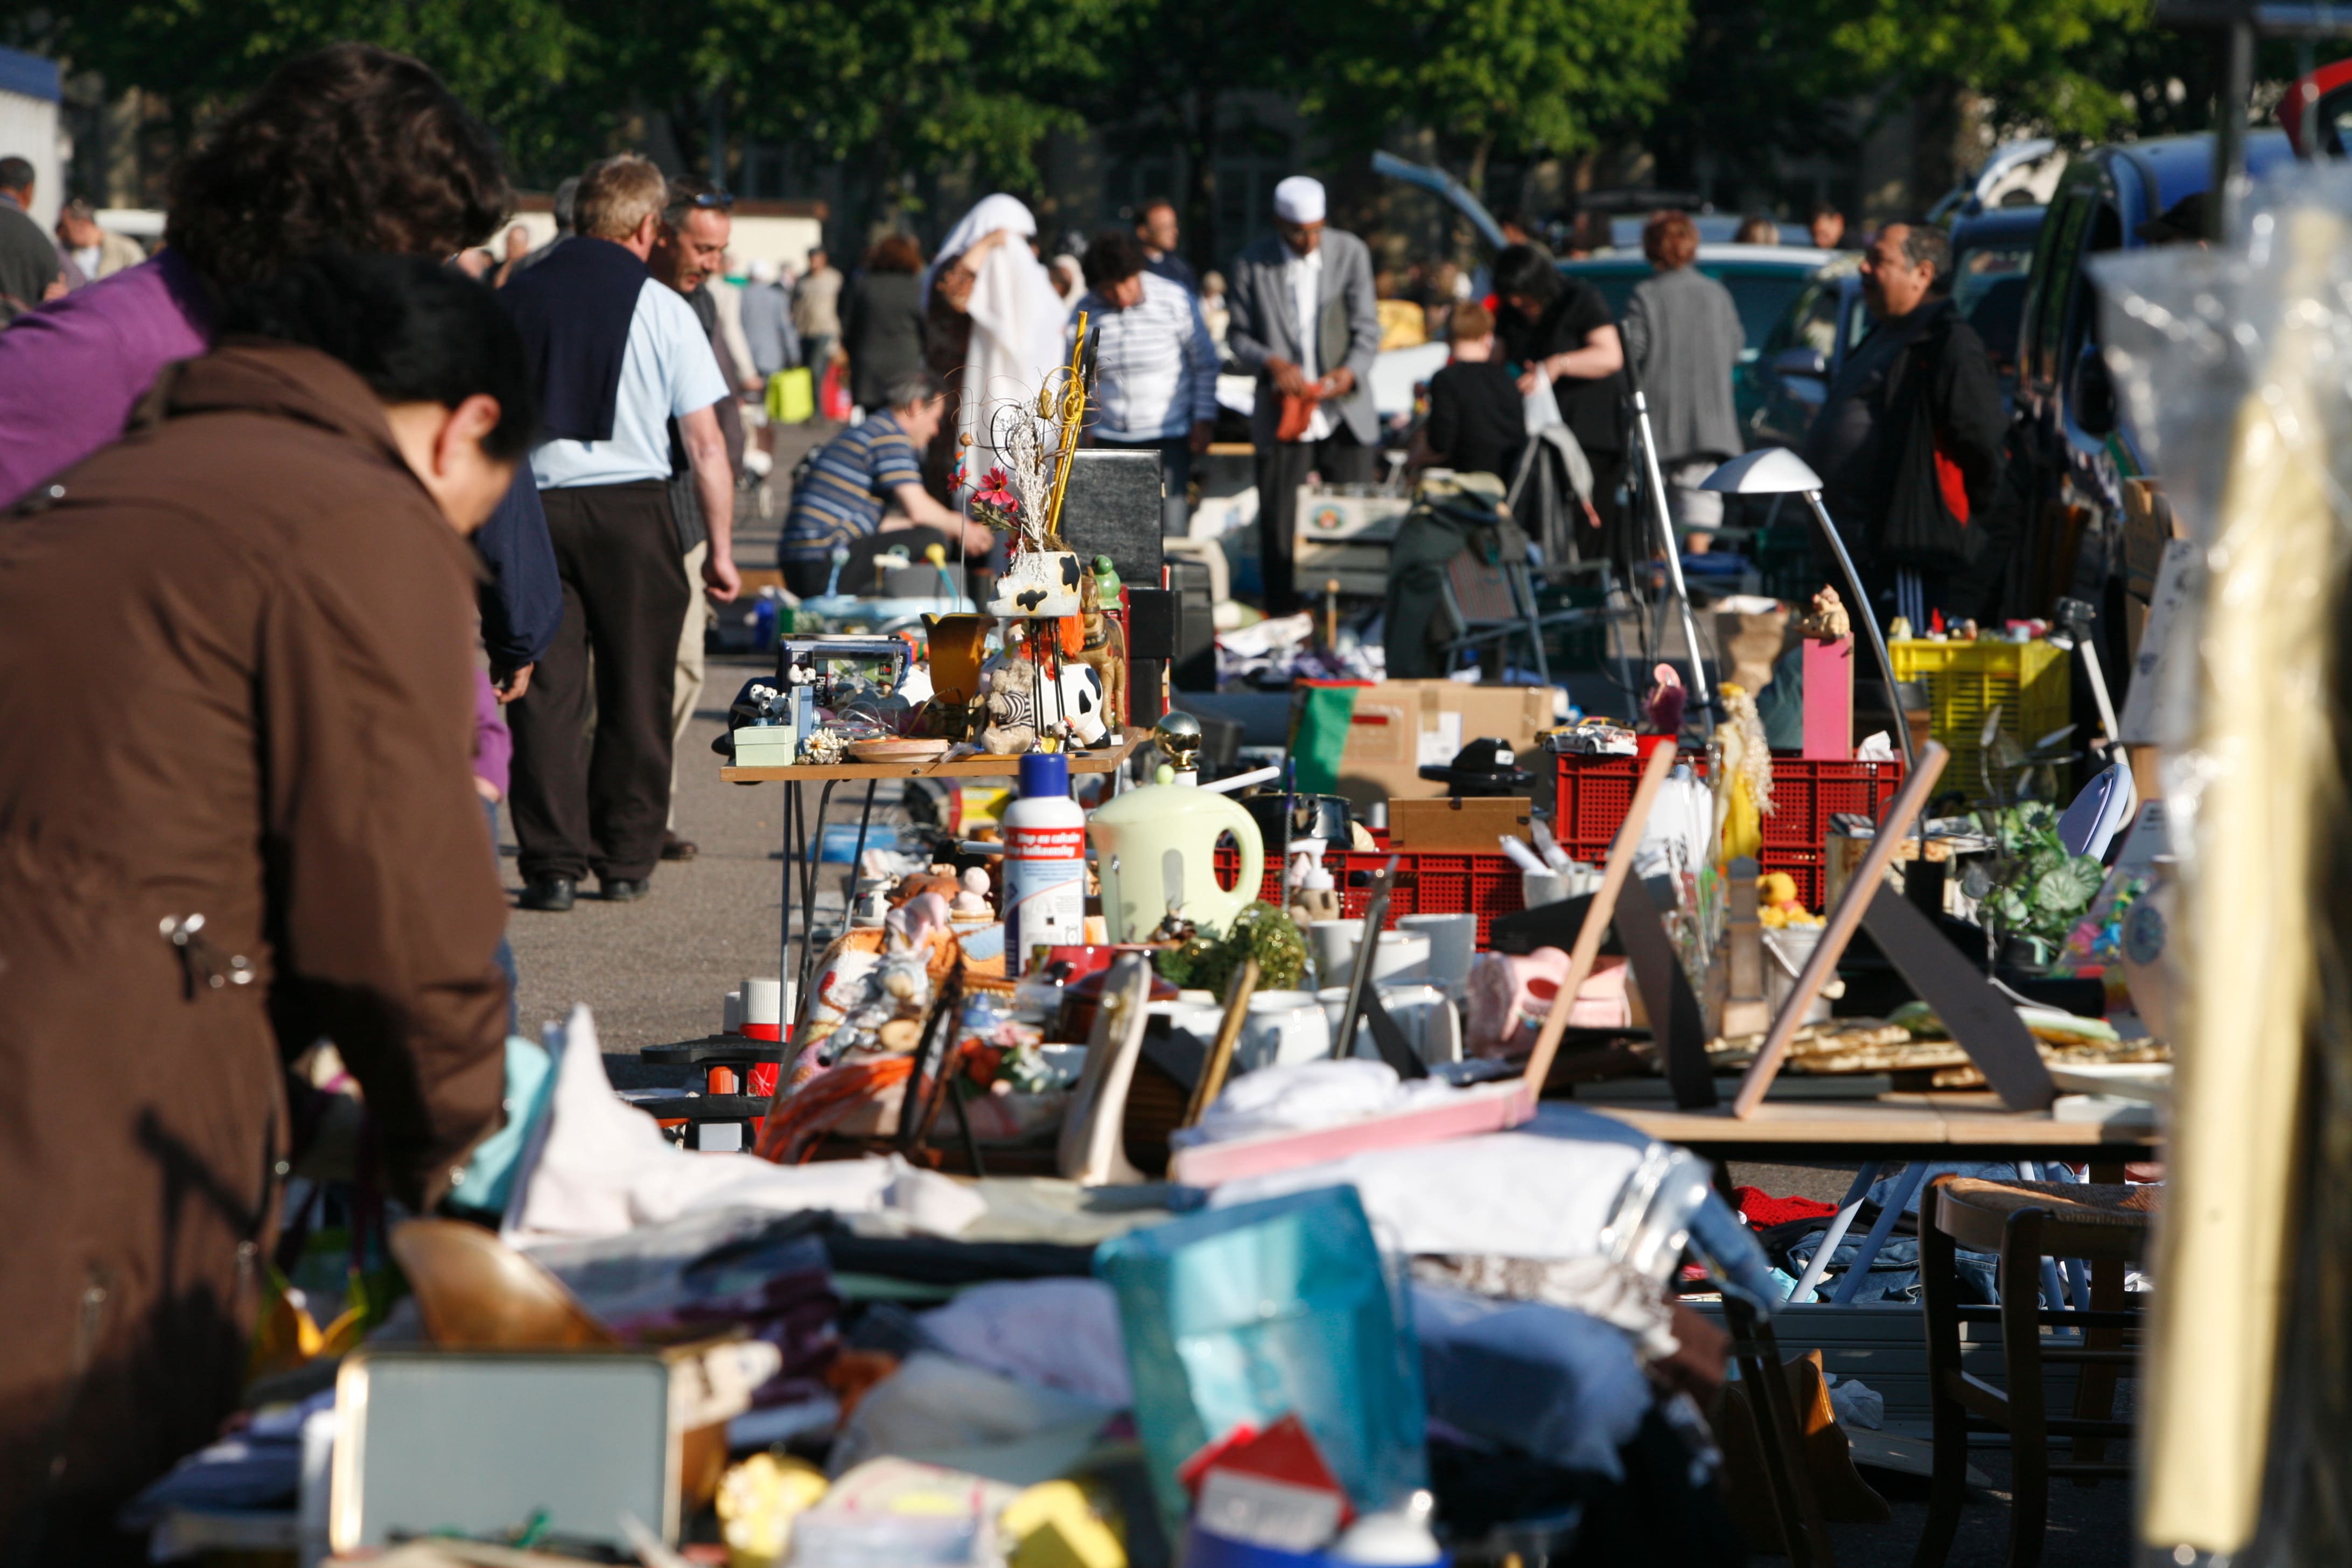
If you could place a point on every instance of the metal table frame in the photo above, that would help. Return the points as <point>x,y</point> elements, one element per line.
<point>1102,759</point>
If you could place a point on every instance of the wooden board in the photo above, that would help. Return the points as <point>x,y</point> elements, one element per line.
<point>1892,1126</point>
<point>1984,1021</point>
<point>1845,915</point>
<point>1100,760</point>
<point>1671,1006</point>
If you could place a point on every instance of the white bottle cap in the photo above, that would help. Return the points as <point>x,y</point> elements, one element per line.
<point>764,1002</point>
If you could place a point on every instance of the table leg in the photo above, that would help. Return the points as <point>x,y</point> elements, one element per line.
<point>1847,1210</point>
<point>1884,1227</point>
<point>857,858</point>
<point>785,900</point>
<point>810,860</point>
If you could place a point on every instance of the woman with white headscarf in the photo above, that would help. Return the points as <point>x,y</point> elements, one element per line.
<point>993,323</point>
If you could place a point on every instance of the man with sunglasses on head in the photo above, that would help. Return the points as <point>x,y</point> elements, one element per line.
<point>619,355</point>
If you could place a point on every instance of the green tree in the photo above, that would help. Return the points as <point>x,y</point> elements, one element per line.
<point>1491,76</point>
<point>519,63</point>
<point>1170,72</point>
<point>899,87</point>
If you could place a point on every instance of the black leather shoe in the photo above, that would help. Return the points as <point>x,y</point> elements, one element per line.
<point>552,894</point>
<point>623,891</point>
<point>675,848</point>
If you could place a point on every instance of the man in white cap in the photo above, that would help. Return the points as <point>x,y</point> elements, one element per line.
<point>1304,318</point>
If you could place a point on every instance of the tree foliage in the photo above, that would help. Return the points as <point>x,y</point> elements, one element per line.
<point>901,85</point>
<point>1491,76</point>
<point>2029,56</point>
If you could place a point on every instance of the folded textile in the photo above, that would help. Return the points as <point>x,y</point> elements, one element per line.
<point>939,1410</point>
<point>1763,1211</point>
<point>1308,1095</point>
<point>1050,1333</point>
<point>1506,1195</point>
<point>1602,1287</point>
<point>1537,1379</point>
<point>602,1167</point>
<point>705,1272</point>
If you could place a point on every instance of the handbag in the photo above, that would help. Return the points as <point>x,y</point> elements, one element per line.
<point>791,396</point>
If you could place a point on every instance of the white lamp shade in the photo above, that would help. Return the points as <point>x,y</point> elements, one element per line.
<point>1767,472</point>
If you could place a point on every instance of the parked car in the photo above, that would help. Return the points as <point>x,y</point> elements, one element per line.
<point>1781,388</point>
<point>2069,451</point>
<point>2320,103</point>
<point>1992,260</point>
<point>1762,279</point>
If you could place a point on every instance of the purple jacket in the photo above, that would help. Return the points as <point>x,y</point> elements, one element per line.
<point>493,742</point>
<point>71,371</point>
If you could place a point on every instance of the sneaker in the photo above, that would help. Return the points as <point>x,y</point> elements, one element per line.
<point>624,889</point>
<point>675,848</point>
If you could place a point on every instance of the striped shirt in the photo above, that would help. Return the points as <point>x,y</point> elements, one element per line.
<point>1157,365</point>
<point>848,487</point>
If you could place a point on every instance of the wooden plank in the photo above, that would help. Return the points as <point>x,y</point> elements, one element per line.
<point>1928,1124</point>
<point>1847,915</point>
<point>1666,997</point>
<point>1101,759</point>
<point>1984,1021</point>
<point>1598,916</point>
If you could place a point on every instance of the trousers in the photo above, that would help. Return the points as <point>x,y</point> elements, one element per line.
<point>1282,468</point>
<point>592,794</point>
<point>691,636</point>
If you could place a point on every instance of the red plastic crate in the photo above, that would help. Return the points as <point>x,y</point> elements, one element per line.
<point>1805,795</point>
<point>1593,793</point>
<point>1426,884</point>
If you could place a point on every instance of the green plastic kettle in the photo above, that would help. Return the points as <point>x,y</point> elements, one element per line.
<point>1156,849</point>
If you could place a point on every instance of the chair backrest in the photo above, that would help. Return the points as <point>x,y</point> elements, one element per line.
<point>2073,1221</point>
<point>1483,591</point>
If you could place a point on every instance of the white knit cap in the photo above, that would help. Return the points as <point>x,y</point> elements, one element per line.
<point>1299,199</point>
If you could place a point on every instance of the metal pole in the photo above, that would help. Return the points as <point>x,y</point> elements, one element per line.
<point>1869,619</point>
<point>1655,481</point>
<point>2230,130</point>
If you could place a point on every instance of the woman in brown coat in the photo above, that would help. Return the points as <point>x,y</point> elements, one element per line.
<point>236,816</point>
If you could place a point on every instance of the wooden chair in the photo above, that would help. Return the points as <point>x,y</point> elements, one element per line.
<point>2023,1223</point>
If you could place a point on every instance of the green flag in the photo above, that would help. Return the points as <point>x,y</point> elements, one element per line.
<point>1319,735</point>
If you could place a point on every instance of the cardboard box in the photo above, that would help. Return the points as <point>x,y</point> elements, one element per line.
<point>1459,826</point>
<point>1399,725</point>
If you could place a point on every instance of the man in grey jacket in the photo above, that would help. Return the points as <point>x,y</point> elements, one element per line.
<point>1304,319</point>
<point>1682,336</point>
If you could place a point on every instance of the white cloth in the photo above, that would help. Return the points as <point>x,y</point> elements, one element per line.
<point>938,1410</point>
<point>1155,363</point>
<point>1305,276</point>
<point>668,372</point>
<point>1506,1195</point>
<point>1016,320</point>
<point>1299,199</point>
<point>1308,1095</point>
<point>598,1167</point>
<point>1054,1333</point>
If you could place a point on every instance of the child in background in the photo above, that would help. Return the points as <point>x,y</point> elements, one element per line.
<point>493,760</point>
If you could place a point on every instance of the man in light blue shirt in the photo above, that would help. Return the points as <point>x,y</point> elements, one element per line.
<point>619,355</point>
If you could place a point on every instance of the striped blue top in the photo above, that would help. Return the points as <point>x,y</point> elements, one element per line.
<point>848,487</point>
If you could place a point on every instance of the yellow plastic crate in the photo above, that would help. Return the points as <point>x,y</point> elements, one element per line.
<point>2031,683</point>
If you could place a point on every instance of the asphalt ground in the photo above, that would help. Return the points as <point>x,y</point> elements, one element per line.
<point>657,971</point>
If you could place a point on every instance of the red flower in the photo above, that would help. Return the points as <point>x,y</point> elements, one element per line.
<point>995,491</point>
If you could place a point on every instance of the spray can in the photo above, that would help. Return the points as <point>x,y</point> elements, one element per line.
<point>1044,862</point>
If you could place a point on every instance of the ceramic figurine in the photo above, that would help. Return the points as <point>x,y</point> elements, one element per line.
<point>1828,623</point>
<point>1104,652</point>
<point>1042,583</point>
